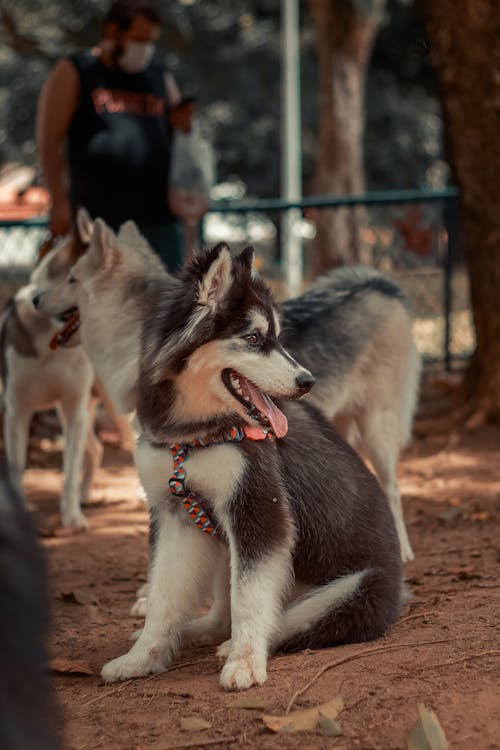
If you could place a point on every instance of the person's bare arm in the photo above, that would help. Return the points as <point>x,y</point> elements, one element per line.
<point>56,106</point>
<point>180,110</point>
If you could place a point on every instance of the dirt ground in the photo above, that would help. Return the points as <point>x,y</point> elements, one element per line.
<point>444,651</point>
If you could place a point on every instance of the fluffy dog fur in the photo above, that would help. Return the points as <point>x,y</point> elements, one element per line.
<point>352,329</point>
<point>35,378</point>
<point>313,553</point>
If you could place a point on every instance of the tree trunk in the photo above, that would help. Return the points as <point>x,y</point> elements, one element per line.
<point>345,31</point>
<point>464,35</point>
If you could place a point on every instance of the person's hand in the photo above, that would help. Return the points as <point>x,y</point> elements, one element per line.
<point>60,217</point>
<point>180,116</point>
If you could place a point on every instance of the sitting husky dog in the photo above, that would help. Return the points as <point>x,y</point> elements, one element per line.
<point>37,376</point>
<point>352,329</point>
<point>262,490</point>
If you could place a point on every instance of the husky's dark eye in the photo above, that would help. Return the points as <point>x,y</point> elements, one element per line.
<point>254,338</point>
<point>72,279</point>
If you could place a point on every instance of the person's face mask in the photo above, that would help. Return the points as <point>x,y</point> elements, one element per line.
<point>136,56</point>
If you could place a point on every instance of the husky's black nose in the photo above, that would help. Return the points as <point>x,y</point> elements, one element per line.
<point>36,300</point>
<point>304,381</point>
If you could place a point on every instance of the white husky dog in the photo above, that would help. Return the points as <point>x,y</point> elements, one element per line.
<point>37,376</point>
<point>352,329</point>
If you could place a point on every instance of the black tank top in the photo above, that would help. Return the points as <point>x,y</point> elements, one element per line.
<point>118,146</point>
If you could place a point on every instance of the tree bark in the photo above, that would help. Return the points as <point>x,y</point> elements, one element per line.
<point>464,35</point>
<point>345,32</point>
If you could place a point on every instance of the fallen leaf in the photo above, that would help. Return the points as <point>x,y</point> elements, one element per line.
<point>480,515</point>
<point>69,666</point>
<point>303,721</point>
<point>454,513</point>
<point>416,738</point>
<point>194,724</point>
<point>330,727</point>
<point>251,702</point>
<point>433,730</point>
<point>80,597</point>
<point>454,502</point>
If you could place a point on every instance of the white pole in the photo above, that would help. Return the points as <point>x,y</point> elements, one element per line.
<point>291,144</point>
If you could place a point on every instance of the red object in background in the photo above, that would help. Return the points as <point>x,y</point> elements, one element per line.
<point>418,239</point>
<point>19,198</point>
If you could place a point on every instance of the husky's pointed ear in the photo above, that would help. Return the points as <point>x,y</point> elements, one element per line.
<point>129,234</point>
<point>246,258</point>
<point>103,246</point>
<point>84,225</point>
<point>216,281</point>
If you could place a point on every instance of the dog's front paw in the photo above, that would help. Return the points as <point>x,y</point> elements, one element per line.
<point>242,673</point>
<point>139,608</point>
<point>133,665</point>
<point>75,520</point>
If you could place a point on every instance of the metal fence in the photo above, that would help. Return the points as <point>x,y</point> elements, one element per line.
<point>435,280</point>
<point>432,275</point>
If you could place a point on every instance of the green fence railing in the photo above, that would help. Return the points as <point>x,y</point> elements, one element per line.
<point>447,198</point>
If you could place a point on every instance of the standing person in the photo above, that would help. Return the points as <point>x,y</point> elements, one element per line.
<point>104,131</point>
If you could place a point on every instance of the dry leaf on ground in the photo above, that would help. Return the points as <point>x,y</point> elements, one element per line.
<point>330,727</point>
<point>454,513</point>
<point>79,597</point>
<point>194,724</point>
<point>302,721</point>
<point>416,738</point>
<point>427,733</point>
<point>69,666</point>
<point>432,728</point>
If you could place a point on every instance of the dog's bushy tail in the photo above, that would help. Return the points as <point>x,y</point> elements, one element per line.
<point>356,607</point>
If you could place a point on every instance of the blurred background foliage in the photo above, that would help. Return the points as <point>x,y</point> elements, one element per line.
<point>227,53</point>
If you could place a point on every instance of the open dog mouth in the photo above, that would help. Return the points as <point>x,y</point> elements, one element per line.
<point>259,405</point>
<point>71,320</point>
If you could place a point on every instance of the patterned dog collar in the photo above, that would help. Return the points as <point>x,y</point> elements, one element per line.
<point>197,508</point>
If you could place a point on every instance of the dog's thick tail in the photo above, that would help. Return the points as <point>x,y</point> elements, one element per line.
<point>357,607</point>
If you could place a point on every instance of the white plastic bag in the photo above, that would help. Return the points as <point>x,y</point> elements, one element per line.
<point>192,174</point>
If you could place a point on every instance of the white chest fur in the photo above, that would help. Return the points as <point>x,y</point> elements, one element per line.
<point>214,472</point>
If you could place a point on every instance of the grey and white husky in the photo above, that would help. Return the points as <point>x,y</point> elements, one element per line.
<point>352,329</point>
<point>299,537</point>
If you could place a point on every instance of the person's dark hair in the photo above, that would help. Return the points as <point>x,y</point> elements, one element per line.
<point>123,12</point>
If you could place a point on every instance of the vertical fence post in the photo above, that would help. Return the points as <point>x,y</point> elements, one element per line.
<point>450,222</point>
<point>291,143</point>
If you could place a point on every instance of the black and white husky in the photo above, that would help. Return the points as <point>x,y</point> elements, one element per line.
<point>301,543</point>
<point>352,329</point>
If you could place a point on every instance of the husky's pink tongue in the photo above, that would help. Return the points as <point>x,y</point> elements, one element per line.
<point>268,408</point>
<point>64,333</point>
